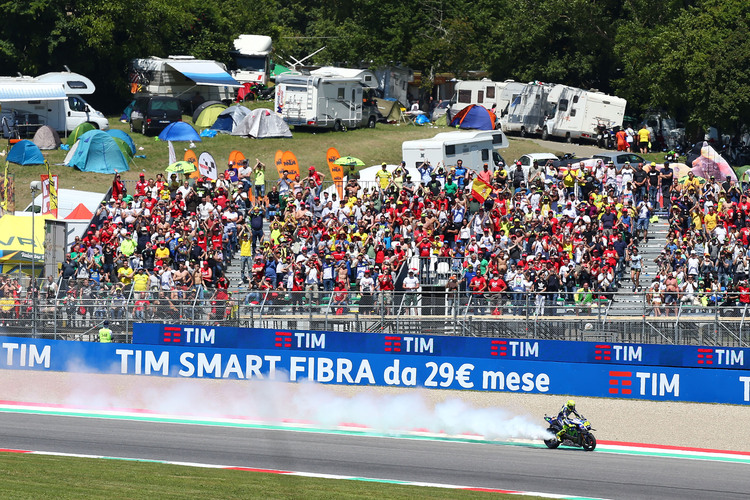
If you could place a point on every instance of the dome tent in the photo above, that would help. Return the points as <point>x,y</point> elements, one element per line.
<point>25,152</point>
<point>208,115</point>
<point>261,124</point>
<point>230,118</point>
<point>47,138</point>
<point>78,132</point>
<point>475,117</point>
<point>97,151</point>
<point>119,134</point>
<point>179,131</point>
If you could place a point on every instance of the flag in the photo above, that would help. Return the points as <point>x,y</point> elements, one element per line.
<point>52,190</point>
<point>337,171</point>
<point>172,154</point>
<point>480,190</point>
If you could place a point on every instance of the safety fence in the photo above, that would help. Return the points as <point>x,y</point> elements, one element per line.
<point>711,319</point>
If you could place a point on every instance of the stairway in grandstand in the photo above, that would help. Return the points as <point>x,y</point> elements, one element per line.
<point>626,302</point>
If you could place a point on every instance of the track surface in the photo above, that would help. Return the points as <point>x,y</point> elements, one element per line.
<point>564,471</point>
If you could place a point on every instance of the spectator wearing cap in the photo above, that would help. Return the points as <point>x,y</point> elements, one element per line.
<point>259,181</point>
<point>383,177</point>
<point>245,175</point>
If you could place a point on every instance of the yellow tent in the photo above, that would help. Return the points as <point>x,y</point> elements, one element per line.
<point>16,240</point>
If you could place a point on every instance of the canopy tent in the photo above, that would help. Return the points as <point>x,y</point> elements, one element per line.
<point>208,115</point>
<point>391,110</point>
<point>78,132</point>
<point>179,131</point>
<point>16,238</point>
<point>474,117</point>
<point>230,118</point>
<point>119,134</point>
<point>47,138</point>
<point>204,73</point>
<point>80,212</point>
<point>97,151</point>
<point>262,124</point>
<point>25,152</point>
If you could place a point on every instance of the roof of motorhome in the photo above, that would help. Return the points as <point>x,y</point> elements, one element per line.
<point>459,137</point>
<point>29,90</point>
<point>253,44</point>
<point>366,77</point>
<point>73,83</point>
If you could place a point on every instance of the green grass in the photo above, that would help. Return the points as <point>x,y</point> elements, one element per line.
<point>39,476</point>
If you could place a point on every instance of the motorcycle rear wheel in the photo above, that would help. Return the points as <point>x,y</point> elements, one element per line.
<point>588,442</point>
<point>552,443</point>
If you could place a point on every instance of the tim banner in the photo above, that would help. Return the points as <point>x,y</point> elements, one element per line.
<point>563,351</point>
<point>494,374</point>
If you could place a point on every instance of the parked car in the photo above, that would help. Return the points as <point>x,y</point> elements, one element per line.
<point>619,158</point>
<point>153,114</point>
<point>541,159</point>
<point>442,108</point>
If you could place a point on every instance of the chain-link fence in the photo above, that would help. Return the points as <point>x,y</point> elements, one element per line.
<point>77,313</point>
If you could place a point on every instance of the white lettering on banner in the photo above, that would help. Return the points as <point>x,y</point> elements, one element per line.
<point>152,364</point>
<point>730,357</point>
<point>209,367</point>
<point>499,381</point>
<point>305,368</point>
<point>628,353</point>
<point>446,372</point>
<point>407,376</point>
<point>28,355</point>
<point>524,349</point>
<point>310,340</point>
<point>746,381</point>
<point>195,335</point>
<point>418,344</point>
<point>660,384</point>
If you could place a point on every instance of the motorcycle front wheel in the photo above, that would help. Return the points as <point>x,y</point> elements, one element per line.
<point>589,442</point>
<point>552,443</point>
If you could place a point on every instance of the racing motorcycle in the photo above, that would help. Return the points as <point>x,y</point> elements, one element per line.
<point>579,435</point>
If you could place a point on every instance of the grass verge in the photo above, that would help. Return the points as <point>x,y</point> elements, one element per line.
<point>39,476</point>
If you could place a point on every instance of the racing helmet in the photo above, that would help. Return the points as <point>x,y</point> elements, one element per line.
<point>571,405</point>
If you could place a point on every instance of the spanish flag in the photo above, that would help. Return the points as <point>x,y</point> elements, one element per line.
<point>480,190</point>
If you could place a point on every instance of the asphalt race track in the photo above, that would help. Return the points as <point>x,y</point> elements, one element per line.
<point>564,471</point>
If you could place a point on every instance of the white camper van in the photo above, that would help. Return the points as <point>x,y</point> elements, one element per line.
<point>483,92</point>
<point>573,113</point>
<point>327,98</point>
<point>52,99</point>
<point>475,148</point>
<point>527,111</point>
<point>252,58</point>
<point>184,77</point>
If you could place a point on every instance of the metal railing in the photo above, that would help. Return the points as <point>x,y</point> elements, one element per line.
<point>708,319</point>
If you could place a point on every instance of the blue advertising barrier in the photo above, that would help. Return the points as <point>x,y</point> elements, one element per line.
<point>716,385</point>
<point>472,347</point>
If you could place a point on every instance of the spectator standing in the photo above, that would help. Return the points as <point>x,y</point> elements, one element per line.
<point>411,288</point>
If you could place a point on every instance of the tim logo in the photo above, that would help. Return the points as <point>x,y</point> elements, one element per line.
<point>515,348</point>
<point>607,352</point>
<point>724,357</point>
<point>173,334</point>
<point>499,348</point>
<point>283,339</point>
<point>392,343</point>
<point>420,345</point>
<point>649,383</point>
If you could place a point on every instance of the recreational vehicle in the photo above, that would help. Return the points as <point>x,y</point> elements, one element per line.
<point>327,98</point>
<point>573,113</point>
<point>475,148</point>
<point>486,93</point>
<point>527,112</point>
<point>252,58</point>
<point>191,80</point>
<point>52,99</point>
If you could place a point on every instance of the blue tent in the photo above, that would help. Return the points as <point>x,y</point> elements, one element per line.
<point>26,153</point>
<point>124,136</point>
<point>179,131</point>
<point>97,151</point>
<point>475,117</point>
<point>230,118</point>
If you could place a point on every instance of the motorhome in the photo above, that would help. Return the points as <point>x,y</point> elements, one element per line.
<point>573,113</point>
<point>526,114</point>
<point>52,99</point>
<point>191,80</point>
<point>486,93</point>
<point>328,97</point>
<point>252,58</point>
<point>475,148</point>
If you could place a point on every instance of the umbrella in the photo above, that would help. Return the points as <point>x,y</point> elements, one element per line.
<point>350,161</point>
<point>181,167</point>
<point>742,172</point>
<point>679,169</point>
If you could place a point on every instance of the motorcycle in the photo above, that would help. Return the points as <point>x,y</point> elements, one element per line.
<point>578,435</point>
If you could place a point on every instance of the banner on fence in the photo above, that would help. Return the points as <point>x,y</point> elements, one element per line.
<point>474,347</point>
<point>394,369</point>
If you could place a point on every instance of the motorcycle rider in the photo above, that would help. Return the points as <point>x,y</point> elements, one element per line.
<point>562,417</point>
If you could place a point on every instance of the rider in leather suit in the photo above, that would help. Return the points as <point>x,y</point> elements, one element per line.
<point>568,408</point>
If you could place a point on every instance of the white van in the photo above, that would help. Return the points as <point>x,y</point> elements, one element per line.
<point>475,148</point>
<point>52,99</point>
<point>527,112</point>
<point>573,113</point>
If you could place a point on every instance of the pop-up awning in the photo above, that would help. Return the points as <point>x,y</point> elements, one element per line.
<point>205,73</point>
<point>22,91</point>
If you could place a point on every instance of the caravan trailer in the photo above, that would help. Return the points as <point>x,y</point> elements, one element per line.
<point>486,93</point>
<point>475,148</point>
<point>527,112</point>
<point>52,99</point>
<point>573,113</point>
<point>183,77</point>
<point>327,98</point>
